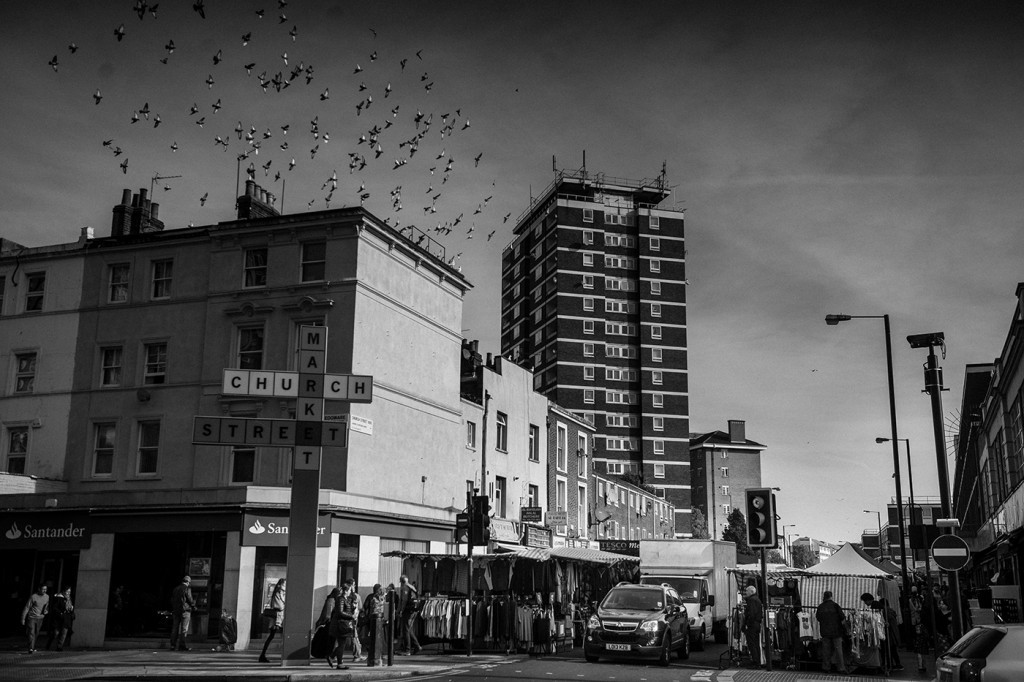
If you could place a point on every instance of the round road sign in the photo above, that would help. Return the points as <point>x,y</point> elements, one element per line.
<point>950,552</point>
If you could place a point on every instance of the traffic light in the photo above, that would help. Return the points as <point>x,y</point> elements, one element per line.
<point>761,531</point>
<point>462,527</point>
<point>480,525</point>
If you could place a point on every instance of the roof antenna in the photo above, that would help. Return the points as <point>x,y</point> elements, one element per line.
<point>554,168</point>
<point>661,179</point>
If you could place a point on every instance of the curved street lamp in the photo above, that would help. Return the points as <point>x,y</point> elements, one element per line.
<point>833,320</point>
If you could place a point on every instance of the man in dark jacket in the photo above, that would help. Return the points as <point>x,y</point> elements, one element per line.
<point>752,618</point>
<point>830,622</point>
<point>182,604</point>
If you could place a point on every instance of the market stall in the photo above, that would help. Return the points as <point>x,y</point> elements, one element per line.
<point>528,600</point>
<point>794,594</point>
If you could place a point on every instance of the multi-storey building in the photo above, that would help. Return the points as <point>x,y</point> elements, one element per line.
<point>594,300</point>
<point>110,346</point>
<point>624,513</point>
<point>988,488</point>
<point>723,466</point>
<point>570,457</point>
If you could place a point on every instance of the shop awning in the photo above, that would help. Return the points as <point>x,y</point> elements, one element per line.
<point>517,552</point>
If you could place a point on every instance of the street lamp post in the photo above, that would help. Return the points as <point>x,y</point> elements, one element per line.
<point>913,505</point>
<point>834,320</point>
<point>879,519</point>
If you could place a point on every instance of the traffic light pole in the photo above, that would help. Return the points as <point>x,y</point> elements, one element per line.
<point>469,557</point>
<point>765,639</point>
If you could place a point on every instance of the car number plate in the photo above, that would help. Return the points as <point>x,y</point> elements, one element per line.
<point>617,647</point>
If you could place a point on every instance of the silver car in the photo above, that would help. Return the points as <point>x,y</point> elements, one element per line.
<point>988,653</point>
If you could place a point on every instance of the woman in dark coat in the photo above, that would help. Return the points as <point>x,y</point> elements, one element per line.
<point>277,605</point>
<point>325,619</point>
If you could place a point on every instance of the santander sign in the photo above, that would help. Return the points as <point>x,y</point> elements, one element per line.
<point>28,531</point>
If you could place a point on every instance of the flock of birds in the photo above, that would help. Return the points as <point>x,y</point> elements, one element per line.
<point>385,127</point>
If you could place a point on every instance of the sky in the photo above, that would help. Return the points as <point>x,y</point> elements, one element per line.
<point>831,157</point>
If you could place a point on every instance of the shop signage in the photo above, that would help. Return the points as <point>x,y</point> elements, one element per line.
<point>558,518</point>
<point>537,537</point>
<point>503,530</point>
<point>45,531</point>
<point>627,547</point>
<point>531,514</point>
<point>271,530</point>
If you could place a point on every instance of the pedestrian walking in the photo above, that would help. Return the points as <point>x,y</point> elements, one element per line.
<point>182,603</point>
<point>830,619</point>
<point>274,615</point>
<point>343,620</point>
<point>407,595</point>
<point>920,627</point>
<point>752,617</point>
<point>32,616</point>
<point>62,616</point>
<point>377,613</point>
<point>330,603</point>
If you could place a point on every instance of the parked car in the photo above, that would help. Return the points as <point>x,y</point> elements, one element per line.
<point>638,621</point>
<point>988,653</point>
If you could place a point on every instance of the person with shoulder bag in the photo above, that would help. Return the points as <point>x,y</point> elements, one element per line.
<point>275,615</point>
<point>324,621</point>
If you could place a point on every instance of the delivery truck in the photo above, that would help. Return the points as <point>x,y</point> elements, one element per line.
<point>697,571</point>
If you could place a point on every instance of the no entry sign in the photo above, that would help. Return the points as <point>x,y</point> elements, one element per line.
<point>950,552</point>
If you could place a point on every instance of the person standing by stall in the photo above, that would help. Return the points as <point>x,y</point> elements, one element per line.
<point>377,612</point>
<point>752,619</point>
<point>830,619</point>
<point>407,617</point>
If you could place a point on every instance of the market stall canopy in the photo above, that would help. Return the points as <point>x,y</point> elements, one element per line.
<point>850,560</point>
<point>581,554</point>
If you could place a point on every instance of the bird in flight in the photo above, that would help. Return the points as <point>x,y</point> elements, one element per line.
<point>169,47</point>
<point>249,67</point>
<point>124,166</point>
<point>358,69</point>
<point>194,109</point>
<point>218,57</point>
<point>246,38</point>
<point>174,146</point>
<point>476,159</point>
<point>202,199</point>
<point>107,143</point>
<point>119,32</point>
<point>53,63</point>
<point>73,48</point>
<point>199,8</point>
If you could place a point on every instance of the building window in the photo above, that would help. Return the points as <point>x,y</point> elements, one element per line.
<point>561,445</point>
<point>726,509</point>
<point>659,470</point>
<point>588,281</point>
<point>250,348</point>
<point>655,244</point>
<point>655,265</point>
<point>588,395</point>
<point>655,222</point>
<point>655,331</point>
<point>614,468</point>
<point>656,354</point>
<point>35,292</point>
<point>470,434</point>
<point>588,350</point>
<point>255,267</point>
<point>243,465</point>
<point>588,260</point>
<point>660,492</point>
<point>162,273</point>
<point>110,366</point>
<point>314,261</point>
<point>655,310</point>
<point>657,400</point>
<point>532,496</point>
<point>501,435</point>
<point>588,215</point>
<point>656,288</point>
<point>588,326</point>
<point>149,446</point>
<point>156,363</point>
<point>588,303</point>
<point>581,511</point>
<point>24,372</point>
<point>103,449</point>
<point>659,447</point>
<point>119,274</point>
<point>499,496</point>
<point>588,373</point>
<point>724,471</point>
<point>659,423</point>
<point>17,449</point>
<point>581,455</point>
<point>534,447</point>
<point>724,489</point>
<point>656,377</point>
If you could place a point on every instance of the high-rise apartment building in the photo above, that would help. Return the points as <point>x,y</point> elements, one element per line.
<point>594,300</point>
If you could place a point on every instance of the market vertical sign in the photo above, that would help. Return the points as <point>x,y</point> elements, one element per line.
<point>54,531</point>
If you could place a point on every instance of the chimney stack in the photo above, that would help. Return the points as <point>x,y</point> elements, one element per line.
<point>737,431</point>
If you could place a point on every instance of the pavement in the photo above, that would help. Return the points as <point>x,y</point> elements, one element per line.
<point>208,665</point>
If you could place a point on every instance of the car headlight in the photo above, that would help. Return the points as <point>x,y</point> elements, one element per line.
<point>594,623</point>
<point>651,625</point>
